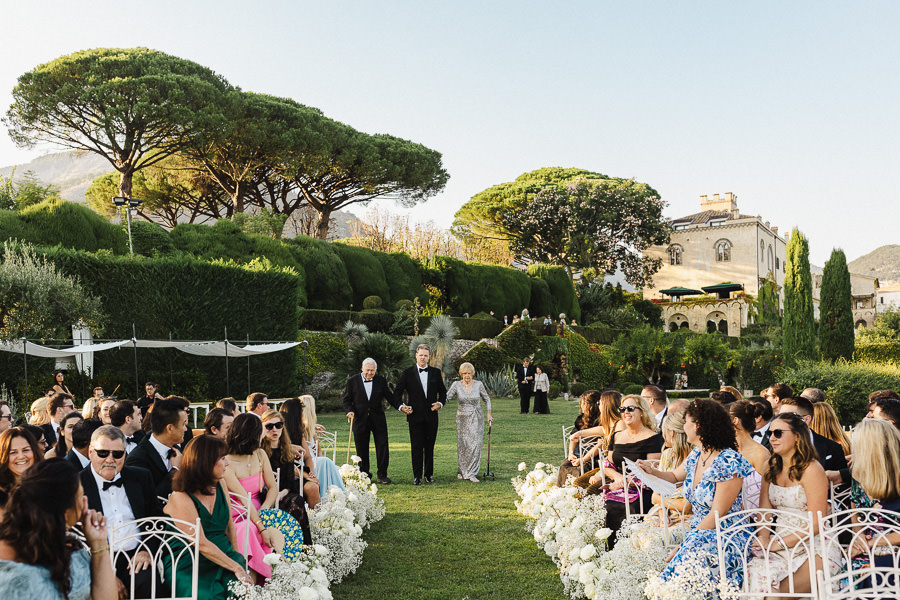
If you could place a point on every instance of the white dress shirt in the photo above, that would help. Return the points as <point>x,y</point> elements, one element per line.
<point>367,385</point>
<point>760,433</point>
<point>163,451</point>
<point>84,460</point>
<point>423,377</point>
<point>660,416</point>
<point>117,510</point>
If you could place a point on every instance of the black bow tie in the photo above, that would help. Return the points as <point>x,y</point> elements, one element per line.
<point>129,440</point>
<point>171,453</point>
<point>108,484</point>
<point>367,381</point>
<point>423,370</point>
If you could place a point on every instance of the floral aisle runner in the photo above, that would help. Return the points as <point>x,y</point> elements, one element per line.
<point>570,529</point>
<point>337,525</point>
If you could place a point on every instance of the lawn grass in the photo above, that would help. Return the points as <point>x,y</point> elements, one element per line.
<point>456,539</point>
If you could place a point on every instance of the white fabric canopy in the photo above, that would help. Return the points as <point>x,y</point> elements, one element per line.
<point>32,349</point>
<point>232,351</point>
<point>196,348</point>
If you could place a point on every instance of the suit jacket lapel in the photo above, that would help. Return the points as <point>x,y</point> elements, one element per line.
<point>90,490</point>
<point>135,499</point>
<point>155,458</point>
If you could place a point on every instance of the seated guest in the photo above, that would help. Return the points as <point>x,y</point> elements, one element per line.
<point>878,394</point>
<point>733,391</point>
<point>126,415</point>
<point>713,476</point>
<point>326,470</point>
<point>91,408</point>
<point>64,441</point>
<point>763,416</point>
<point>885,409</point>
<point>795,484</point>
<point>123,494</point>
<point>38,434</point>
<point>743,416</point>
<point>777,392</point>
<point>249,473</point>
<point>6,417</point>
<point>38,411</point>
<point>610,422</point>
<point>229,404</point>
<point>291,412</point>
<point>831,454</point>
<point>38,557</point>
<point>825,423</point>
<point>18,451</point>
<point>277,445</point>
<point>814,395</point>
<point>58,406</point>
<point>188,431</point>
<point>81,442</point>
<point>723,397</point>
<point>639,440</point>
<point>218,422</point>
<point>106,405</point>
<point>157,452</point>
<point>200,492</point>
<point>674,454</point>
<point>587,423</point>
<point>257,403</point>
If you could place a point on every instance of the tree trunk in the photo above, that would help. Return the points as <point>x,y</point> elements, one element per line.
<point>125,182</point>
<point>322,225</point>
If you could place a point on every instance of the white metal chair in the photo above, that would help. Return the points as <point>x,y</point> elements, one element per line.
<point>631,480</point>
<point>240,515</point>
<point>567,433</point>
<point>171,543</point>
<point>585,445</point>
<point>758,536</point>
<point>78,534</point>
<point>840,496</point>
<point>876,571</point>
<point>328,441</point>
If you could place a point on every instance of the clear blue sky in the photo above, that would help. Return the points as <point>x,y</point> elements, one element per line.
<point>793,106</point>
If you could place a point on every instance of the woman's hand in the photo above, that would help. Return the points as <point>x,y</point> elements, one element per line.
<point>94,524</point>
<point>490,419</point>
<point>595,478</point>
<point>281,496</point>
<point>860,545</point>
<point>647,466</point>
<point>617,483</point>
<point>269,537</point>
<point>242,575</point>
<point>575,460</point>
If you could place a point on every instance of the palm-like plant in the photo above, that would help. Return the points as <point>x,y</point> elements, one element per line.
<point>389,353</point>
<point>439,336</point>
<point>354,332</point>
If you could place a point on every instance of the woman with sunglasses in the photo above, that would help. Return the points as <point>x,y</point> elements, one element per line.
<point>281,452</point>
<point>250,473</point>
<point>18,451</point>
<point>639,440</point>
<point>794,483</point>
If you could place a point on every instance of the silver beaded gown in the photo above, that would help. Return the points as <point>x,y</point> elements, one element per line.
<point>469,425</point>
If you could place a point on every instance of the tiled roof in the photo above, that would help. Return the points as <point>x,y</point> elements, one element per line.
<point>704,216</point>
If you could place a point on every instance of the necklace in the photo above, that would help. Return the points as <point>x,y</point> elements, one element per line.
<point>708,456</point>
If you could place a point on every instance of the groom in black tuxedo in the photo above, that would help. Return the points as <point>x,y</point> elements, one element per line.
<point>363,399</point>
<point>426,394</point>
<point>525,380</point>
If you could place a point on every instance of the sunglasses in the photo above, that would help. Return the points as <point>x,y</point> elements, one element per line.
<point>276,425</point>
<point>777,433</point>
<point>628,409</point>
<point>117,454</point>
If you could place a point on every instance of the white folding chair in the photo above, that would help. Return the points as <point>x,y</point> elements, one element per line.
<point>240,514</point>
<point>631,480</point>
<point>875,574</point>
<point>567,432</point>
<point>169,548</point>
<point>328,440</point>
<point>585,445</point>
<point>78,534</point>
<point>738,533</point>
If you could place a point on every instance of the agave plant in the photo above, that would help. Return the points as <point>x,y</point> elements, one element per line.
<point>500,384</point>
<point>439,336</point>
<point>354,332</point>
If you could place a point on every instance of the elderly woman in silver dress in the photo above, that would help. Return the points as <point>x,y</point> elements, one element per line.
<point>469,421</point>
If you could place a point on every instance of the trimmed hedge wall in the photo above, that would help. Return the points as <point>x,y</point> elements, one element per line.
<point>365,272</point>
<point>57,222</point>
<point>877,351</point>
<point>469,287</point>
<point>191,300</point>
<point>484,357</point>
<point>469,329</point>
<point>333,320</point>
<point>562,292</point>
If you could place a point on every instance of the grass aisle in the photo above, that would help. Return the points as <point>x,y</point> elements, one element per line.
<point>456,539</point>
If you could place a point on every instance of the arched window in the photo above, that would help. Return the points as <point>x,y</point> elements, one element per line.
<point>723,251</point>
<point>675,252</point>
<point>771,260</point>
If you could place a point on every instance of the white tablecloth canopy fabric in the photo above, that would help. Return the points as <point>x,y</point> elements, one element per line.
<point>196,348</point>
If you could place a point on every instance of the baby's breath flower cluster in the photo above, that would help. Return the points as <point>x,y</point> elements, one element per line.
<point>695,578</point>
<point>362,494</point>
<point>303,579</point>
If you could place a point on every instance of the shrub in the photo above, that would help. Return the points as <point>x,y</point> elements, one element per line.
<point>884,351</point>
<point>68,224</point>
<point>518,340</point>
<point>403,275</point>
<point>847,384</point>
<point>541,303</point>
<point>364,271</point>
<point>562,292</point>
<point>324,352</point>
<point>555,390</point>
<point>499,384</point>
<point>550,347</point>
<point>483,357</point>
<point>596,370</point>
<point>597,334</point>
<point>388,352</point>
<point>633,388</point>
<point>150,239</point>
<point>327,282</point>
<point>755,369</point>
<point>333,320</point>
<point>469,329</point>
<point>372,302</point>
<point>483,316</point>
<point>578,388</point>
<point>403,305</point>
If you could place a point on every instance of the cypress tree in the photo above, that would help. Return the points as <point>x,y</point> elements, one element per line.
<point>799,320</point>
<point>836,309</point>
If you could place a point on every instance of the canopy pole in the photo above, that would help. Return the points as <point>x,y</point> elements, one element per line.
<point>137,393</point>
<point>305,345</point>
<point>25,359</point>
<point>227,374</point>
<point>171,376</point>
<point>248,368</point>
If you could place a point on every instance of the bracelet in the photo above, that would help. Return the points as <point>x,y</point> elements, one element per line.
<point>99,550</point>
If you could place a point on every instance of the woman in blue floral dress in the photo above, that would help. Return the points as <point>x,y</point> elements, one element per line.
<point>713,475</point>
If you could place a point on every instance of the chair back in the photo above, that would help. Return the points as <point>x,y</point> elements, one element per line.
<point>328,442</point>
<point>240,514</point>
<point>860,537</point>
<point>585,445</point>
<point>567,431</point>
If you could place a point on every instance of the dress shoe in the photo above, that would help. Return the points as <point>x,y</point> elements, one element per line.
<point>384,480</point>
<point>417,481</point>
<point>429,479</point>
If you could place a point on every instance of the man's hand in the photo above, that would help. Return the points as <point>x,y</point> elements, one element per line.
<point>406,409</point>
<point>176,460</point>
<point>350,416</point>
<point>436,406</point>
<point>142,560</point>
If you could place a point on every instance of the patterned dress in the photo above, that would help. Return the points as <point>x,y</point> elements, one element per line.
<point>20,580</point>
<point>701,543</point>
<point>469,425</point>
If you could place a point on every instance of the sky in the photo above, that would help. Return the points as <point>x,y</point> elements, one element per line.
<point>792,106</point>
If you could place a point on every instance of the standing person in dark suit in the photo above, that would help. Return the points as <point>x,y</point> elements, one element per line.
<point>426,394</point>
<point>525,379</point>
<point>363,399</point>
<point>122,494</point>
<point>60,405</point>
<point>157,452</point>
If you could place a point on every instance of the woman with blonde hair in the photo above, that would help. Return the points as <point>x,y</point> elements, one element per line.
<point>327,472</point>
<point>825,423</point>
<point>91,408</point>
<point>39,414</point>
<point>470,393</point>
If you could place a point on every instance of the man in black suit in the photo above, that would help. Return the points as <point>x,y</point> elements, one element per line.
<point>81,441</point>
<point>122,494</point>
<point>363,398</point>
<point>831,454</point>
<point>156,452</point>
<point>525,379</point>
<point>126,415</point>
<point>151,395</point>
<point>60,405</point>
<point>426,394</point>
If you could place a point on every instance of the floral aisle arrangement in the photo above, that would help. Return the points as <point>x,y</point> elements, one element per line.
<point>695,578</point>
<point>303,579</point>
<point>570,529</point>
<point>362,494</point>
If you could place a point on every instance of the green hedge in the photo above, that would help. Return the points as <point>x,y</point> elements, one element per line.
<point>485,358</point>
<point>469,329</point>
<point>562,292</point>
<point>758,368</point>
<point>597,370</point>
<point>333,320</point>
<point>151,239</point>
<point>471,287</point>
<point>541,303</point>
<point>518,340</point>
<point>597,334</point>
<point>403,275</point>
<point>324,352</point>
<point>877,351</point>
<point>57,222</point>
<point>847,384</point>
<point>365,273</point>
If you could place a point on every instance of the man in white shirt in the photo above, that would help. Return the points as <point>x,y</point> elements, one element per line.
<point>658,400</point>
<point>123,495</point>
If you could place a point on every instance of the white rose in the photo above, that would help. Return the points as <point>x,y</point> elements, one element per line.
<point>522,466</point>
<point>603,533</point>
<point>272,559</point>
<point>588,552</point>
<point>356,460</point>
<point>374,488</point>
<point>351,497</point>
<point>539,466</point>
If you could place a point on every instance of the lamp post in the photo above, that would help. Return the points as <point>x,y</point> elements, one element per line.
<point>132,203</point>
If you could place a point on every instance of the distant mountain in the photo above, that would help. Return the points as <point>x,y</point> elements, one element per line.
<point>883,263</point>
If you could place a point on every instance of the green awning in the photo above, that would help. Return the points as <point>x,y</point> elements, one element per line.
<point>680,291</point>
<point>723,290</point>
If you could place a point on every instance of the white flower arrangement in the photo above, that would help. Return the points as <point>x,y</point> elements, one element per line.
<point>304,579</point>
<point>334,526</point>
<point>362,495</point>
<point>693,579</point>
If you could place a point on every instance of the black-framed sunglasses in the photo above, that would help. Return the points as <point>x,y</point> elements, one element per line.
<point>10,417</point>
<point>117,454</point>
<point>276,425</point>
<point>777,433</point>
<point>628,409</point>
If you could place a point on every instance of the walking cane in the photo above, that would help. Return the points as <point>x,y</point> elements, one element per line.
<point>349,439</point>
<point>487,471</point>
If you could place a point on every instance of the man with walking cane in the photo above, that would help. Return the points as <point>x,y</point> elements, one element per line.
<point>363,400</point>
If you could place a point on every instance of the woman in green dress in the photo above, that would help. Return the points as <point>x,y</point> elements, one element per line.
<point>199,491</point>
